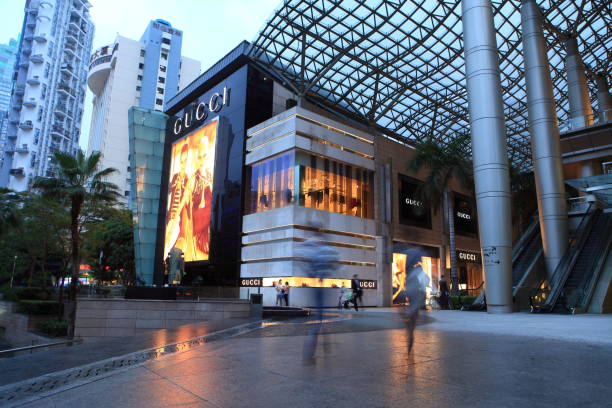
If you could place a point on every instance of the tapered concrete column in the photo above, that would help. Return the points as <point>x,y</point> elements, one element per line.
<point>581,111</point>
<point>488,130</point>
<point>604,99</point>
<point>544,130</point>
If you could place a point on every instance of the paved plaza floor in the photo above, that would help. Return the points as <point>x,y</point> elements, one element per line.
<point>460,359</point>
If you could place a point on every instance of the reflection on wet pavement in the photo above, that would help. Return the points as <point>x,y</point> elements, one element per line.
<point>360,361</point>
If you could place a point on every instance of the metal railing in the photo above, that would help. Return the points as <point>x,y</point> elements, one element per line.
<point>549,294</point>
<point>36,347</point>
<point>596,118</point>
<point>596,264</point>
<point>578,205</point>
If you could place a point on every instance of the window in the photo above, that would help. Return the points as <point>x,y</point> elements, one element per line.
<point>165,41</point>
<point>50,49</point>
<point>164,56</point>
<point>272,183</point>
<point>159,101</point>
<point>138,88</point>
<point>126,193</point>
<point>161,80</point>
<point>40,114</point>
<point>160,91</point>
<point>333,186</point>
<point>47,68</point>
<point>43,92</point>
<point>324,184</point>
<point>162,68</point>
<point>142,53</point>
<point>141,66</point>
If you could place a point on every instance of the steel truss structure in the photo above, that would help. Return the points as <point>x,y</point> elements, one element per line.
<point>399,65</point>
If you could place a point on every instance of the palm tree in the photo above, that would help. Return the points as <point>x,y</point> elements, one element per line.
<point>444,162</point>
<point>78,183</point>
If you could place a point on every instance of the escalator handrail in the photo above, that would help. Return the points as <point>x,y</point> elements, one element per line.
<point>525,239</point>
<point>594,277</point>
<point>565,266</point>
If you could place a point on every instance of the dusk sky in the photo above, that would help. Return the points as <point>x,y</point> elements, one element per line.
<point>211,28</point>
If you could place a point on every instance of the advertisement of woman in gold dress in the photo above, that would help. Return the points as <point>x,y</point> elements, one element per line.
<point>190,189</point>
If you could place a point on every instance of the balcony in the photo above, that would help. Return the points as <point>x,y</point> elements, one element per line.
<point>14,121</point>
<point>67,67</point>
<point>27,125</point>
<point>65,87</point>
<point>24,64</point>
<point>18,172</point>
<point>61,108</point>
<point>22,149</point>
<point>12,135</point>
<point>28,37</point>
<point>26,50</point>
<point>595,119</point>
<point>40,38</point>
<point>37,59</point>
<point>19,90</point>
<point>31,23</point>
<point>35,80</point>
<point>30,103</point>
<point>33,11</point>
<point>9,148</point>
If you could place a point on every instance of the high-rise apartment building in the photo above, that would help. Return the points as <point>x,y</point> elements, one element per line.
<point>128,73</point>
<point>47,99</point>
<point>8,54</point>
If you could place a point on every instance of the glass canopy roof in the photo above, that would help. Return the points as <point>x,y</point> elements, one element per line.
<point>399,66</point>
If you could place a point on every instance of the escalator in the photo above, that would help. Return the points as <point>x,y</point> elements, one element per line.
<point>583,277</point>
<point>571,285</point>
<point>526,255</point>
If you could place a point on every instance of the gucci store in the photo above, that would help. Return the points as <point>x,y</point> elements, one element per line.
<point>246,177</point>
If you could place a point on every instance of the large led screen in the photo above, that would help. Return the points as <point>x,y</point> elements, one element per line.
<point>190,189</point>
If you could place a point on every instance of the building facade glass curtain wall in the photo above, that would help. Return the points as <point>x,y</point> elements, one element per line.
<point>323,184</point>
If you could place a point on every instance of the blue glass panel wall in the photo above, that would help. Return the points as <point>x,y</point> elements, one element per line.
<point>147,134</point>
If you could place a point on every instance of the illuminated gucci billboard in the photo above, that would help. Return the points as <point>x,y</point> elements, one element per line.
<point>189,203</point>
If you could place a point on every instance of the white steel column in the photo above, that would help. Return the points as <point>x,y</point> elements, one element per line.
<point>545,145</point>
<point>581,111</point>
<point>604,99</point>
<point>489,150</point>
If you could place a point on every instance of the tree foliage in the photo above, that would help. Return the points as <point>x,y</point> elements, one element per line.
<point>78,183</point>
<point>109,245</point>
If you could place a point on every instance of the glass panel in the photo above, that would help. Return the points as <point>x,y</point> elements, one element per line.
<point>271,184</point>
<point>336,187</point>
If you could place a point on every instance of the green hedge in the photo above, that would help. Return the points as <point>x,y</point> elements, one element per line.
<point>29,293</point>
<point>38,307</point>
<point>464,301</point>
<point>55,328</point>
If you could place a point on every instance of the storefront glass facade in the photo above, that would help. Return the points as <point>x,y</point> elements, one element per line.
<point>418,259</point>
<point>324,184</point>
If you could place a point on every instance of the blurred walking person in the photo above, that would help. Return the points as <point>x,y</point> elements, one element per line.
<point>319,260</point>
<point>357,291</point>
<point>416,284</point>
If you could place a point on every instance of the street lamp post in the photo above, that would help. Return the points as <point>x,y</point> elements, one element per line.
<point>13,272</point>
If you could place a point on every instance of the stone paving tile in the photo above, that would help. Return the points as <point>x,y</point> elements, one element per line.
<point>364,368</point>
